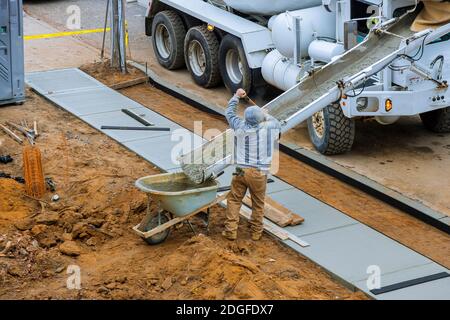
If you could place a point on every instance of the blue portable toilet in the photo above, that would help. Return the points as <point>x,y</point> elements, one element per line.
<point>12,86</point>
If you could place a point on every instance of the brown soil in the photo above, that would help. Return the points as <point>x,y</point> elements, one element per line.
<point>102,71</point>
<point>93,219</point>
<point>390,221</point>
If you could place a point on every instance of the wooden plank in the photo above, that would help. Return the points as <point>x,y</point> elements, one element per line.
<point>271,213</point>
<point>295,218</point>
<point>277,213</point>
<point>11,134</point>
<point>275,230</point>
<point>129,83</point>
<point>279,233</point>
<point>298,241</point>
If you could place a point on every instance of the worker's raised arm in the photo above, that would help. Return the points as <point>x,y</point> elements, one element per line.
<point>233,119</point>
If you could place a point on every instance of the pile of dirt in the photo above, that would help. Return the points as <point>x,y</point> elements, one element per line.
<point>103,72</point>
<point>201,269</point>
<point>12,204</point>
<point>23,260</point>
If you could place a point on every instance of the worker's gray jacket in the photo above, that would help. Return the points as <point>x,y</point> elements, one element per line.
<point>253,145</point>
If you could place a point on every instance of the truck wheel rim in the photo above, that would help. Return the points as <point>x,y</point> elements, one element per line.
<point>197,58</point>
<point>163,42</point>
<point>318,121</point>
<point>234,66</point>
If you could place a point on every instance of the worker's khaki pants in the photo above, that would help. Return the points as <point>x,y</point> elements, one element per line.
<point>435,13</point>
<point>255,181</point>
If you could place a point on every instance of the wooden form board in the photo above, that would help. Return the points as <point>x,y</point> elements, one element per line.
<point>277,213</point>
<point>273,229</point>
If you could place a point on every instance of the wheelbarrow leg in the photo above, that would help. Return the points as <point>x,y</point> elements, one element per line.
<point>191,226</point>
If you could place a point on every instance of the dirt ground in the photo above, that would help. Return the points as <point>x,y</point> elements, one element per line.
<point>90,227</point>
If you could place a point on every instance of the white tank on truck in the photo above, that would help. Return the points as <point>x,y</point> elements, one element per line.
<point>270,7</point>
<point>313,22</point>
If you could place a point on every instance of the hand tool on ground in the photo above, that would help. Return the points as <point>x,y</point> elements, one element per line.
<point>11,134</point>
<point>28,133</point>
<point>24,124</point>
<point>135,128</point>
<point>51,185</point>
<point>137,117</point>
<point>35,128</point>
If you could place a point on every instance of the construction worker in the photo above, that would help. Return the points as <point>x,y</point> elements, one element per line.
<point>255,138</point>
<point>435,13</point>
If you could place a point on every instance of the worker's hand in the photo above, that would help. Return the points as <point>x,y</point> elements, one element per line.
<point>241,93</point>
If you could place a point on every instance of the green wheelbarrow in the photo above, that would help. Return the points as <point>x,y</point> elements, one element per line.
<point>178,200</point>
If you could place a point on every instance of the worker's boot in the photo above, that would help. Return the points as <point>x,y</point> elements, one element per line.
<point>229,235</point>
<point>256,236</point>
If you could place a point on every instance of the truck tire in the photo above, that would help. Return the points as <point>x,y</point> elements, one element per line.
<point>234,66</point>
<point>437,120</point>
<point>331,132</point>
<point>201,52</point>
<point>168,33</point>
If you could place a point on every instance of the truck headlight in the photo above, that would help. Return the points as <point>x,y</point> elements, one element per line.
<point>361,104</point>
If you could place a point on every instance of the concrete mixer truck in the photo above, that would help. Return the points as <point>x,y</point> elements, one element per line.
<point>247,44</point>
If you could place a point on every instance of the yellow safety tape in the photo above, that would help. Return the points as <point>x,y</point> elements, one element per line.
<point>63,34</point>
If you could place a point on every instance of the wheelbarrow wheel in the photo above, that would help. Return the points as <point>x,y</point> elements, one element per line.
<point>152,224</point>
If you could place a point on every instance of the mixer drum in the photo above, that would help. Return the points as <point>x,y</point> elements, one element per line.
<point>270,7</point>
<point>315,22</point>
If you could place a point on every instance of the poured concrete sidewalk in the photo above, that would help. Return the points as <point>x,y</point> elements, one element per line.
<point>340,244</point>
